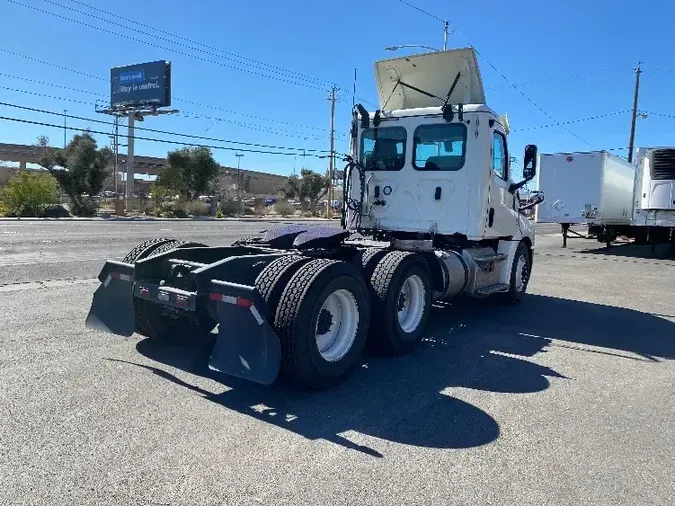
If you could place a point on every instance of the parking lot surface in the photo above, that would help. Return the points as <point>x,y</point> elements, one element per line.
<point>566,399</point>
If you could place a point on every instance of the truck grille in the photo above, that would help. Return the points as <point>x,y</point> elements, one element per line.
<point>663,164</point>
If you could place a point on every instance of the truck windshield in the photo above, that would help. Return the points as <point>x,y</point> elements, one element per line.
<point>383,148</point>
<point>440,147</point>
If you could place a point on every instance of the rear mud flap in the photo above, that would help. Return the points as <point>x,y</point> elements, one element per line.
<point>247,347</point>
<point>112,308</point>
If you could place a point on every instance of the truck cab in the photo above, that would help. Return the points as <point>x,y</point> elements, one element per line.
<point>436,158</point>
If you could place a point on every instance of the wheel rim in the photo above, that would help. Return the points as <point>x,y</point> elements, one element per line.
<point>411,302</point>
<point>337,325</point>
<point>522,272</point>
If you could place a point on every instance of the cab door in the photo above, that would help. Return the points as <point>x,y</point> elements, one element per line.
<point>501,218</point>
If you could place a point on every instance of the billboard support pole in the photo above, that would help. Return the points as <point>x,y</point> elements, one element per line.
<point>130,163</point>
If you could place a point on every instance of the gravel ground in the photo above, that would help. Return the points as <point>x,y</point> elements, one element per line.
<point>563,400</point>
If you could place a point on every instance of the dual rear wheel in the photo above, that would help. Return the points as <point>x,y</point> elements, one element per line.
<point>324,311</point>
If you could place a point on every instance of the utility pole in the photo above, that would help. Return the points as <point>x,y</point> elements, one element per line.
<point>241,203</point>
<point>631,141</point>
<point>331,166</point>
<point>130,163</point>
<point>116,152</point>
<point>65,128</point>
<point>445,36</point>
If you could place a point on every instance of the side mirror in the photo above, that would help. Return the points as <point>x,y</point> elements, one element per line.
<point>530,162</point>
<point>529,167</point>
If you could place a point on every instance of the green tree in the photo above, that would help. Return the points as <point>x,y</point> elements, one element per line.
<point>189,171</point>
<point>27,193</point>
<point>309,188</point>
<point>80,169</point>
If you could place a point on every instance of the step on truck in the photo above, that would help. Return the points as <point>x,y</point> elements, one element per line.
<point>431,213</point>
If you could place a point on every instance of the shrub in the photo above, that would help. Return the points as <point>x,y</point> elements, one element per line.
<point>284,208</point>
<point>54,211</point>
<point>219,213</point>
<point>198,208</point>
<point>259,207</point>
<point>179,212</point>
<point>27,193</point>
<point>229,207</point>
<point>86,208</point>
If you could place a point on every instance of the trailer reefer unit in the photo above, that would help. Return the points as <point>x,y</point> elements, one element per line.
<point>585,188</point>
<point>655,188</point>
<point>429,180</point>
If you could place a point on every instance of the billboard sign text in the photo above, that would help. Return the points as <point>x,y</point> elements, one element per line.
<point>143,84</point>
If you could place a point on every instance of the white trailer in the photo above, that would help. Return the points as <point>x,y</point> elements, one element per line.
<point>610,195</point>
<point>588,188</point>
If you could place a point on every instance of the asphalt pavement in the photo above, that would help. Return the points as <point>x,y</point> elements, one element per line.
<point>566,399</point>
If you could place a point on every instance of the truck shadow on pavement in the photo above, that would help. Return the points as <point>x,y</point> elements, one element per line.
<point>413,399</point>
<point>630,252</point>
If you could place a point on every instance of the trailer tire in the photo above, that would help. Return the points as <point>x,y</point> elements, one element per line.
<point>400,278</point>
<point>521,270</point>
<point>274,278</point>
<point>322,321</point>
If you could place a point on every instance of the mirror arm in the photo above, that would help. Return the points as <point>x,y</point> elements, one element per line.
<point>517,186</point>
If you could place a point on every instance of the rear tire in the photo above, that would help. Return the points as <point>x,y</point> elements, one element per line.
<point>401,302</point>
<point>274,278</point>
<point>322,321</point>
<point>368,259</point>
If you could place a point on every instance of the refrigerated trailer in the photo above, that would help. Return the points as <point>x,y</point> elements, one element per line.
<point>609,195</point>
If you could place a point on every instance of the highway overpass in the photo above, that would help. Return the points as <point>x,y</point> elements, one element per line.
<point>254,183</point>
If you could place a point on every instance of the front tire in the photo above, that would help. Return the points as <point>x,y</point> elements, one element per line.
<point>520,274</point>
<point>322,321</point>
<point>401,302</point>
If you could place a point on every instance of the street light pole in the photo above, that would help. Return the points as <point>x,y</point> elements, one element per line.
<point>631,139</point>
<point>241,203</point>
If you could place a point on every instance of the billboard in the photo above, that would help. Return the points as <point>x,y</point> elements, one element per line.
<point>143,84</point>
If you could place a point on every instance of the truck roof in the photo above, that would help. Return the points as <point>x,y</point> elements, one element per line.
<point>432,72</point>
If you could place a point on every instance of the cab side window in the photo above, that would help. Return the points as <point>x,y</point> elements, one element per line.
<point>499,156</point>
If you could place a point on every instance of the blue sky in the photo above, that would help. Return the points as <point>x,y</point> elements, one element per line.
<point>573,59</point>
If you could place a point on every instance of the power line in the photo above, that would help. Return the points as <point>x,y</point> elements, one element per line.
<point>308,127</point>
<point>562,79</point>
<point>271,70</point>
<point>184,114</point>
<point>153,130</point>
<point>504,77</point>
<point>35,81</point>
<point>570,122</point>
<point>423,11</point>
<point>179,37</point>
<point>165,141</point>
<point>53,65</point>
<point>134,39</point>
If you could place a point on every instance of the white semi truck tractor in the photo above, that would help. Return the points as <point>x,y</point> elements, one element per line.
<point>431,213</point>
